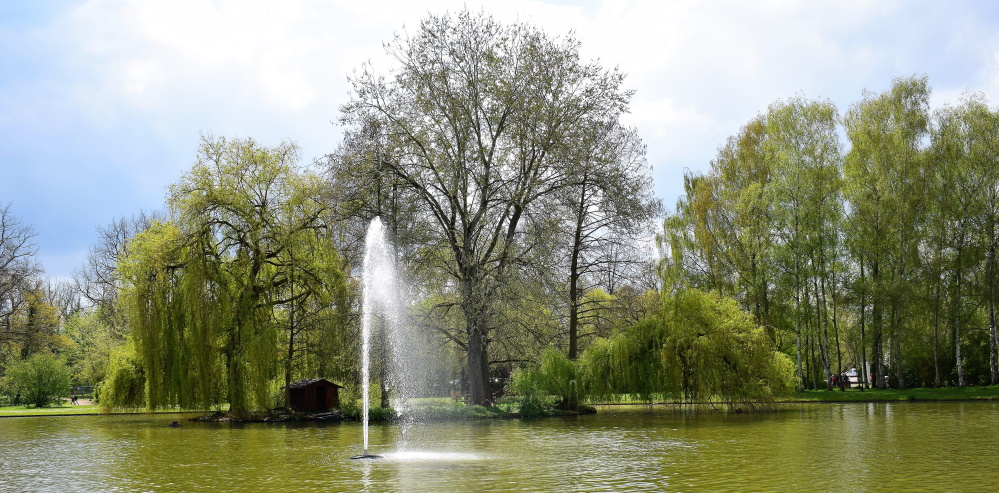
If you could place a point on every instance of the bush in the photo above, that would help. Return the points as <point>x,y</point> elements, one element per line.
<point>375,413</point>
<point>41,380</point>
<point>533,402</point>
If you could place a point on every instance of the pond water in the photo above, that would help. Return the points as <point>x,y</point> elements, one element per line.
<point>813,447</point>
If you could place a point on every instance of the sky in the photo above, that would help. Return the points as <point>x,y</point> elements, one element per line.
<point>103,102</point>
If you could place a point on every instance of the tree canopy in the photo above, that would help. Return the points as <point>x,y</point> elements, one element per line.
<point>212,291</point>
<point>480,120</point>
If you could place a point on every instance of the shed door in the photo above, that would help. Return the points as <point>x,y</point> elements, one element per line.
<point>321,402</point>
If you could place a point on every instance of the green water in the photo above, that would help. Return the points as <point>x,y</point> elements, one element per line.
<point>814,447</point>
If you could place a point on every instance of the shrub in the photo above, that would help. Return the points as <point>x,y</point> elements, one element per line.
<point>375,413</point>
<point>41,379</point>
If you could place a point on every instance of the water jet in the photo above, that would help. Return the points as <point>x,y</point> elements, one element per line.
<point>379,298</point>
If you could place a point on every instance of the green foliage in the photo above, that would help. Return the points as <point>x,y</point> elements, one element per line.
<point>34,327</point>
<point>41,380</point>
<point>125,382</point>
<point>554,384</point>
<point>558,375</point>
<point>701,348</point>
<point>885,255</point>
<point>715,350</point>
<point>239,282</point>
<point>375,413</point>
<point>885,180</point>
<point>93,341</point>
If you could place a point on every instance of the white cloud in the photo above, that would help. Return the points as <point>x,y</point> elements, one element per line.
<point>125,86</point>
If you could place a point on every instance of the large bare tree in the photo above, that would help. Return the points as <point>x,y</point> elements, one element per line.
<point>17,265</point>
<point>481,118</point>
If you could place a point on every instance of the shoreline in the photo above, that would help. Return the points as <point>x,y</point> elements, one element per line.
<point>944,394</point>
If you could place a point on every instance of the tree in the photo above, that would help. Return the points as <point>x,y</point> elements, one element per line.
<point>962,209</point>
<point>17,268</point>
<point>41,379</point>
<point>481,117</point>
<point>699,349</point>
<point>608,206</point>
<point>762,226</point>
<point>35,326</point>
<point>807,201</point>
<point>93,341</point>
<point>885,177</point>
<point>96,281</point>
<point>208,293</point>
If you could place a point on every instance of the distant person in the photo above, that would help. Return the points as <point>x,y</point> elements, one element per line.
<point>74,401</point>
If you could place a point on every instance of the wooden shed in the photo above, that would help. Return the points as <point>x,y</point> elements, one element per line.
<point>316,395</point>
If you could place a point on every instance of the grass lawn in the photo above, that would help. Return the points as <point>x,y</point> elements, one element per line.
<point>68,410</point>
<point>48,411</point>
<point>917,394</point>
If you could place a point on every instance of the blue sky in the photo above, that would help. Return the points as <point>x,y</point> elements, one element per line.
<point>102,101</point>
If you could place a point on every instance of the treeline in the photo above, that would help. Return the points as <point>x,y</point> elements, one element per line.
<point>517,205</point>
<point>33,320</point>
<point>882,256</point>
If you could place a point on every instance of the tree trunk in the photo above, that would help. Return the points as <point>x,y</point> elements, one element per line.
<point>991,269</point>
<point>823,326</point>
<point>574,274</point>
<point>937,380</point>
<point>797,325</point>
<point>897,345</point>
<point>291,355</point>
<point>477,376</point>
<point>474,305</point>
<point>956,317</point>
<point>865,377</point>
<point>877,341</point>
<point>384,357</point>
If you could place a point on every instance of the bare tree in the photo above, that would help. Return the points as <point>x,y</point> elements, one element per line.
<point>17,264</point>
<point>96,280</point>
<point>608,207</point>
<point>482,117</point>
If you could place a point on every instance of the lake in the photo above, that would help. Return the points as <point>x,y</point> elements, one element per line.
<point>915,446</point>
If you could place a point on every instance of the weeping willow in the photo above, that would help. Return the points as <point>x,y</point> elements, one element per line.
<point>204,294</point>
<point>175,319</point>
<point>700,349</point>
<point>124,384</point>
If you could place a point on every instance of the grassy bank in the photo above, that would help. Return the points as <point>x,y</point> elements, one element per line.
<point>22,411</point>
<point>449,410</point>
<point>49,411</point>
<point>918,394</point>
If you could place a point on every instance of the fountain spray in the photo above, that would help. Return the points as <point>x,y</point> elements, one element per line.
<point>378,295</point>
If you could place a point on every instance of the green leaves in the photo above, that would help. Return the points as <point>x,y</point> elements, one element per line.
<point>700,349</point>
<point>41,380</point>
<point>205,293</point>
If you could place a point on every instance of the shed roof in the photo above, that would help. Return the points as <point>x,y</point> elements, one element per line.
<point>305,383</point>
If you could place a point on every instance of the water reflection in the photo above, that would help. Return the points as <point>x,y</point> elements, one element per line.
<point>937,446</point>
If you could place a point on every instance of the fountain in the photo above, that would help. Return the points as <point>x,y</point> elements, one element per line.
<point>379,298</point>
<point>410,366</point>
